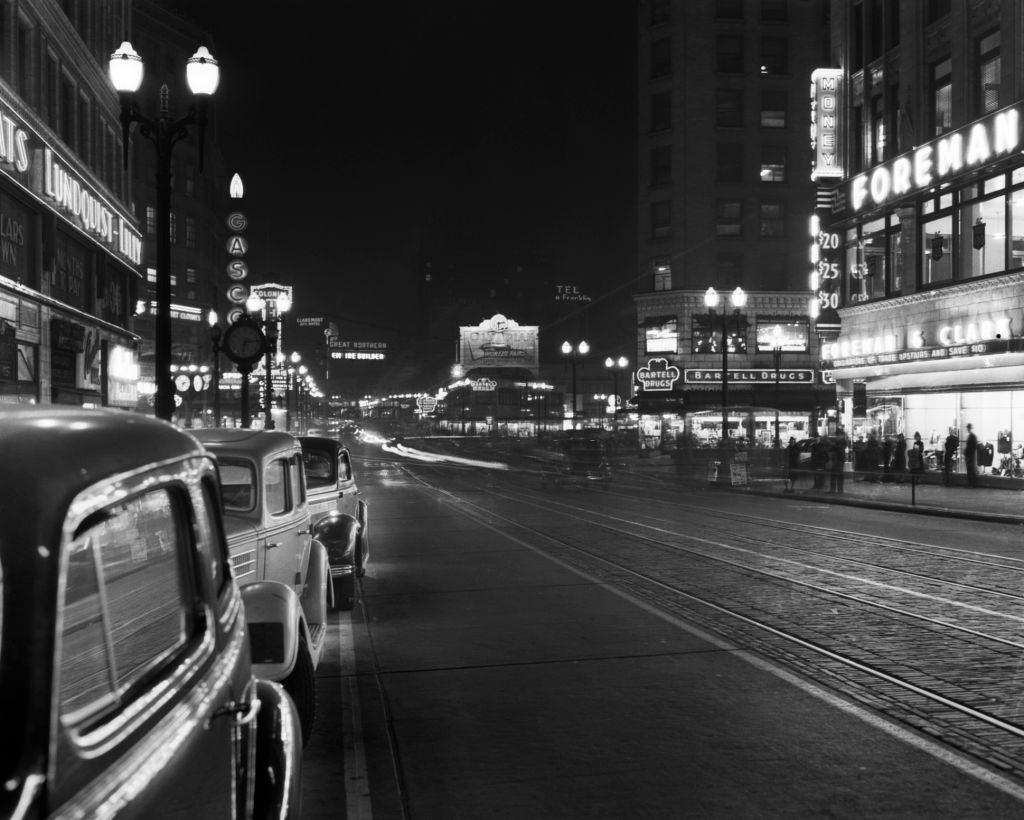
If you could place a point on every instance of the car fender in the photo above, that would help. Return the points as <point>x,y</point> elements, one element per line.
<point>274,616</point>
<point>278,786</point>
<point>318,588</point>
<point>338,532</point>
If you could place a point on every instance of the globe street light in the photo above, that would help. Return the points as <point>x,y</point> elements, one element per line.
<point>777,339</point>
<point>215,337</point>
<point>203,75</point>
<point>273,301</point>
<point>574,352</point>
<point>616,365</point>
<point>738,299</point>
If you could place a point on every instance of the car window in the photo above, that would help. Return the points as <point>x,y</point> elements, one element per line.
<point>318,466</point>
<point>298,485</point>
<point>237,485</point>
<point>126,603</point>
<point>344,468</point>
<point>275,483</point>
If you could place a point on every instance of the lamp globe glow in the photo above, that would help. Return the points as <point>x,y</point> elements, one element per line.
<point>623,361</point>
<point>295,357</point>
<point>584,348</point>
<point>738,298</point>
<point>711,298</point>
<point>202,73</point>
<point>609,362</point>
<point>125,69</point>
<point>254,303</point>
<point>211,318</point>
<point>284,303</point>
<point>566,348</point>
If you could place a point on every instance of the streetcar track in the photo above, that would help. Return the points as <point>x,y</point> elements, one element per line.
<point>915,717</point>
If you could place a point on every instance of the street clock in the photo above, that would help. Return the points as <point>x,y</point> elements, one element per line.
<point>244,341</point>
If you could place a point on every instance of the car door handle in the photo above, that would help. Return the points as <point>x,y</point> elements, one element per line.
<point>243,713</point>
<point>275,545</point>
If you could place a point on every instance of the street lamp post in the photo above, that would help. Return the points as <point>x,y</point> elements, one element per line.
<point>616,365</point>
<point>215,337</point>
<point>582,348</point>
<point>777,355</point>
<point>738,299</point>
<point>293,372</point>
<point>203,75</point>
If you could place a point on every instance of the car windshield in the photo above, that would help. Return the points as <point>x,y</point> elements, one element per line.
<point>319,468</point>
<point>238,485</point>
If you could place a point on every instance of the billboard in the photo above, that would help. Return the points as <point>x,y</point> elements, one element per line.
<point>499,342</point>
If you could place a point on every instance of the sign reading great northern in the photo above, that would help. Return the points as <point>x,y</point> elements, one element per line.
<point>499,342</point>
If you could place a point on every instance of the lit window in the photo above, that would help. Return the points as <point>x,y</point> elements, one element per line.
<point>773,163</point>
<point>730,217</point>
<point>773,221</point>
<point>989,67</point>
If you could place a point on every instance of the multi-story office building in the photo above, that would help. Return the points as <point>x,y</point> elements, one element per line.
<point>165,40</point>
<point>929,221</point>
<point>69,243</point>
<point>724,200</point>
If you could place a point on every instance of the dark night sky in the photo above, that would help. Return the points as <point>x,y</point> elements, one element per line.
<point>364,129</point>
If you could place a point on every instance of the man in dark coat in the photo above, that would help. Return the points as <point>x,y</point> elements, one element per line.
<point>792,464</point>
<point>971,457</point>
<point>949,454</point>
<point>837,456</point>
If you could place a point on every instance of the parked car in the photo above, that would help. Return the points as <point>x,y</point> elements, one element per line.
<point>270,538</point>
<point>340,517</point>
<point>126,684</point>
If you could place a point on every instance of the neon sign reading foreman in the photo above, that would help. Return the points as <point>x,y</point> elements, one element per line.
<point>996,135</point>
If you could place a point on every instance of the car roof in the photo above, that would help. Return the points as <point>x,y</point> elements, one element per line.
<point>322,442</point>
<point>254,443</point>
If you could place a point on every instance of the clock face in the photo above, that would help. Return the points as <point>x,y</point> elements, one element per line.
<point>244,342</point>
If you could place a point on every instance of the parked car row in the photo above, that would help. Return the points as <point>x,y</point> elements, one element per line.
<point>163,608</point>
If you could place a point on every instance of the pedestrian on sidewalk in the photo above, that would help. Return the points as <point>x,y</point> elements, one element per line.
<point>792,464</point>
<point>819,462</point>
<point>899,458</point>
<point>915,458</point>
<point>837,458</point>
<point>871,458</point>
<point>971,457</point>
<point>887,460</point>
<point>949,454</point>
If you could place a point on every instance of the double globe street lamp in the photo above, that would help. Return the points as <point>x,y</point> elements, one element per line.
<point>203,76</point>
<point>574,351</point>
<point>738,300</point>
<point>615,366</point>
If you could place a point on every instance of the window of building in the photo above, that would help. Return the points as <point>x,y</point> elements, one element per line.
<point>942,95</point>
<point>729,269</point>
<point>982,237</point>
<point>937,249</point>
<point>661,57</point>
<point>729,53</point>
<point>661,165</point>
<point>190,179</point>
<point>730,217</point>
<point>661,12</point>
<point>989,69</point>
<point>875,21</point>
<point>67,111</point>
<point>774,55</point>
<point>151,275</point>
<point>24,55</point>
<point>857,36</point>
<point>878,129</point>
<point>937,9</point>
<point>868,262</point>
<point>174,228</point>
<point>729,162</point>
<point>896,261</point>
<point>774,11</point>
<point>729,108</point>
<point>893,17</point>
<point>857,139</point>
<point>661,219</point>
<point>52,90</point>
<point>661,335</point>
<point>82,140</point>
<point>661,111</point>
<point>150,220</point>
<point>5,11</point>
<point>773,163</point>
<point>773,108</point>
<point>661,266</point>
<point>191,275</point>
<point>729,9</point>
<point>773,219</point>
<point>190,231</point>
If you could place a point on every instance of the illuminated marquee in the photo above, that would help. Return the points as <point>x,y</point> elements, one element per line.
<point>499,342</point>
<point>826,134</point>
<point>658,376</point>
<point>68,193</point>
<point>996,135</point>
<point>740,375</point>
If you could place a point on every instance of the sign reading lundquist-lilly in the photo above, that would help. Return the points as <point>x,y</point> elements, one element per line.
<point>499,342</point>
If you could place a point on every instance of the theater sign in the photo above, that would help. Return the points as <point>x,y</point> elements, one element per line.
<point>499,342</point>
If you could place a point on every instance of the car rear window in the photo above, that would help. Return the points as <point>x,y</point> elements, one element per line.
<point>319,468</point>
<point>238,485</point>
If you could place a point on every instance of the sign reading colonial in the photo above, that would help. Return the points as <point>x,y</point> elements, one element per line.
<point>484,385</point>
<point>426,404</point>
<point>658,376</point>
<point>499,342</point>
